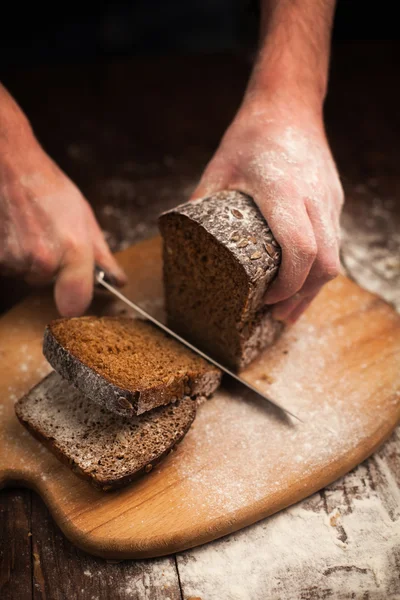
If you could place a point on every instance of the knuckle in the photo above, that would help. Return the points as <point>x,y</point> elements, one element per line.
<point>307,248</point>
<point>13,260</point>
<point>42,258</point>
<point>3,252</point>
<point>329,267</point>
<point>73,246</point>
<point>23,256</point>
<point>339,192</point>
<point>340,197</point>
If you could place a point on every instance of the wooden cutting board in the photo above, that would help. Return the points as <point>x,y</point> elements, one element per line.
<point>338,368</point>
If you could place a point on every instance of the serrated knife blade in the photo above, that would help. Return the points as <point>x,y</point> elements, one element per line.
<point>105,281</point>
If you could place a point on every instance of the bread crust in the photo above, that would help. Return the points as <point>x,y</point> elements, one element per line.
<point>117,399</point>
<point>186,408</point>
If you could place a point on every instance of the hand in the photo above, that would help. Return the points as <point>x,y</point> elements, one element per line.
<point>278,154</point>
<point>47,229</point>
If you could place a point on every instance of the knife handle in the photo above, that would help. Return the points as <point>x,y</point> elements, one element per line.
<point>102,274</point>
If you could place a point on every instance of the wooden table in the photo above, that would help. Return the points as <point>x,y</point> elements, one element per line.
<point>135,136</point>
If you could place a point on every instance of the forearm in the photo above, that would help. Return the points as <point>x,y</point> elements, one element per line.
<point>294,50</point>
<point>14,124</point>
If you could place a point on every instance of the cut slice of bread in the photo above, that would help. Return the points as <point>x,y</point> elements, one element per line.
<point>126,365</point>
<point>104,448</point>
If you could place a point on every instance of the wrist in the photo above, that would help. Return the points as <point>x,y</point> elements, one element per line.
<point>283,105</point>
<point>289,87</point>
<point>14,125</point>
<point>285,79</point>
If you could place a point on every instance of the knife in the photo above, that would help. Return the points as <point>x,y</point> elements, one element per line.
<point>106,281</point>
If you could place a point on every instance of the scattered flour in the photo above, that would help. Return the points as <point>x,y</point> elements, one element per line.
<point>371,245</point>
<point>229,450</point>
<point>160,576</point>
<point>349,552</point>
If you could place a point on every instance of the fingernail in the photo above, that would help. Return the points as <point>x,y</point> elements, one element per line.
<point>291,321</point>
<point>120,275</point>
<point>283,317</point>
<point>282,322</point>
<point>280,315</point>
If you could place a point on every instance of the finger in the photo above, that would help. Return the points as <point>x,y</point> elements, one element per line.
<point>282,311</point>
<point>325,268</point>
<point>106,261</point>
<point>335,219</point>
<point>35,260</point>
<point>74,286</point>
<point>293,231</point>
<point>300,309</point>
<point>216,178</point>
<point>43,263</point>
<point>327,262</point>
<point>102,253</point>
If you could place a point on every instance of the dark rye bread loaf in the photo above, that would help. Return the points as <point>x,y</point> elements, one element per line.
<point>126,365</point>
<point>108,450</point>
<point>219,259</point>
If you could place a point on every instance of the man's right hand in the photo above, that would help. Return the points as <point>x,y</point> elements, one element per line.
<point>47,229</point>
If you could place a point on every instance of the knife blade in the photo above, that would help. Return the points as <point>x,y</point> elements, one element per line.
<point>106,281</point>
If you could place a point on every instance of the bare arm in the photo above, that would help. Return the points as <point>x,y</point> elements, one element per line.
<point>294,49</point>
<point>47,229</point>
<point>276,150</point>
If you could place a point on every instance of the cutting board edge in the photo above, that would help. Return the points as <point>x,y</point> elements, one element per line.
<point>103,547</point>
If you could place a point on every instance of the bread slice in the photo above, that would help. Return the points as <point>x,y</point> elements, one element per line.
<point>108,450</point>
<point>220,257</point>
<point>126,365</point>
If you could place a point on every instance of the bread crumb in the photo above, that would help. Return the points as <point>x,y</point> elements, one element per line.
<point>334,518</point>
<point>267,378</point>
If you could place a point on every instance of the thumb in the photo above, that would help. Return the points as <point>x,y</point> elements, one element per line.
<point>215,178</point>
<point>74,285</point>
<point>102,253</point>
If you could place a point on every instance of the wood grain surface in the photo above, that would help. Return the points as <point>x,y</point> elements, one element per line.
<point>342,543</point>
<point>242,460</point>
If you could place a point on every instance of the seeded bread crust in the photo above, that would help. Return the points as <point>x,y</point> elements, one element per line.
<point>105,449</point>
<point>117,399</point>
<point>235,221</point>
<point>231,221</point>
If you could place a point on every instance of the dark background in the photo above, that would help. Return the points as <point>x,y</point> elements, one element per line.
<point>72,31</point>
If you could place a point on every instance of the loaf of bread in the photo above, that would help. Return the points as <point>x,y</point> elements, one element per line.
<point>220,257</point>
<point>126,365</point>
<point>106,449</point>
